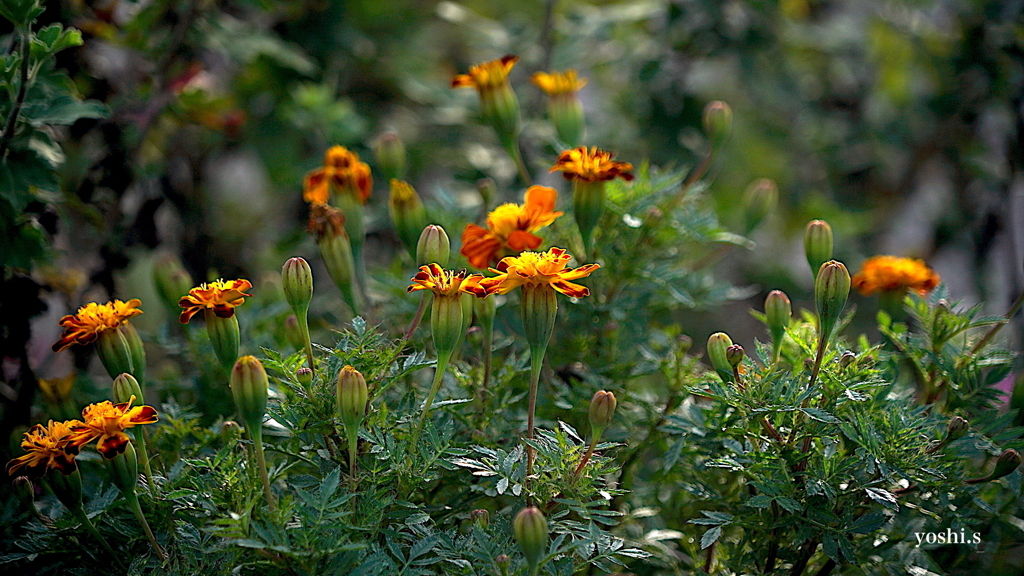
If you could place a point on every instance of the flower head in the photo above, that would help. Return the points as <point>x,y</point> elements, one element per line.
<point>221,296</point>
<point>558,83</point>
<point>591,165</point>
<point>48,447</point>
<point>91,320</point>
<point>510,226</point>
<point>325,221</point>
<point>885,273</point>
<point>344,170</point>
<point>487,76</point>
<point>56,390</point>
<point>445,283</point>
<point>537,268</point>
<point>108,421</point>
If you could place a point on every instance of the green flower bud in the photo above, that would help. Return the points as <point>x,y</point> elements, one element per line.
<point>817,244</point>
<point>230,431</point>
<point>734,355</point>
<point>488,190</point>
<point>124,469</point>
<point>297,282</point>
<point>433,246</point>
<point>126,386</point>
<point>304,376</point>
<point>407,214</point>
<point>336,252</point>
<point>718,343</point>
<point>250,387</point>
<point>136,350</point>
<point>566,113</point>
<point>1007,462</point>
<point>480,517</point>
<point>531,529</point>
<point>831,289</point>
<point>503,562</point>
<point>499,107</point>
<point>956,428</point>
<point>224,336</point>
<point>717,121</point>
<point>602,408</point>
<point>777,312</point>
<point>112,348</point>
<point>352,397</point>
<point>759,200</point>
<point>389,151</point>
<point>683,344</point>
<point>171,280</point>
<point>25,491</point>
<point>847,359</point>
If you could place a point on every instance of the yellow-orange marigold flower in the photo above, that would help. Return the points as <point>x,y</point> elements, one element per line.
<point>558,83</point>
<point>538,268</point>
<point>487,76</point>
<point>510,226</point>
<point>445,283</point>
<point>591,165</point>
<point>48,447</point>
<point>91,320</point>
<point>107,422</point>
<point>344,170</point>
<point>885,273</point>
<point>221,295</point>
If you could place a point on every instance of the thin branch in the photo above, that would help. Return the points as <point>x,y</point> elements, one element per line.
<point>12,119</point>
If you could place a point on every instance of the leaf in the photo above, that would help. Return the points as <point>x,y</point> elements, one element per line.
<point>883,497</point>
<point>65,110</point>
<point>791,505</point>
<point>868,523</point>
<point>820,415</point>
<point>710,537</point>
<point>759,501</point>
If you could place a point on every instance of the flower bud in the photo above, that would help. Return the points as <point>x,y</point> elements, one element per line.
<point>956,428</point>
<point>250,387</point>
<point>1007,462</point>
<point>777,312</point>
<point>717,121</point>
<point>683,344</point>
<point>136,351</point>
<point>352,397</point>
<point>224,337</point>
<point>230,431</point>
<point>389,151</point>
<point>304,376</point>
<point>831,289</point>
<point>171,280</point>
<point>531,529</point>
<point>480,517</point>
<point>125,387</point>
<point>292,332</point>
<point>718,343</point>
<point>407,214</point>
<point>112,348</point>
<point>297,281</point>
<point>817,244</point>
<point>484,310</point>
<point>433,246</point>
<point>602,408</point>
<point>487,189</point>
<point>124,470</point>
<point>847,359</point>
<point>446,322</point>
<point>566,113</point>
<point>503,561</point>
<point>759,200</point>
<point>336,252</point>
<point>25,491</point>
<point>734,355</point>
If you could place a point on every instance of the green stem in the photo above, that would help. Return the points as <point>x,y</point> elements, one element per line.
<point>353,447</point>
<point>1014,308</point>
<point>261,463</point>
<point>306,341</point>
<point>488,344</point>
<point>82,517</point>
<point>536,364</point>
<point>512,147</point>
<point>442,366</point>
<point>133,503</point>
<point>586,457</point>
<point>416,318</point>
<point>19,100</point>
<point>143,454</point>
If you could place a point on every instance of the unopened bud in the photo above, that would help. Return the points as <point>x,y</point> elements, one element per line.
<point>817,244</point>
<point>734,355</point>
<point>777,312</point>
<point>531,529</point>
<point>760,199</point>
<point>717,345</point>
<point>292,331</point>
<point>250,388</point>
<point>683,344</point>
<point>407,213</point>
<point>297,282</point>
<point>389,151</point>
<point>487,189</point>
<point>224,336</point>
<point>956,428</point>
<point>602,408</point>
<point>480,517</point>
<point>831,289</point>
<point>1007,462</point>
<point>125,387</point>
<point>503,561</point>
<point>352,397</point>
<point>304,375</point>
<point>433,246</point>
<point>230,431</point>
<point>717,121</point>
<point>846,359</point>
<point>25,491</point>
<point>171,280</point>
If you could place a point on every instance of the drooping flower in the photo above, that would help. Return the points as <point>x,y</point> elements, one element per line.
<point>510,227</point>
<point>221,296</point>
<point>107,422</point>
<point>591,165</point>
<point>558,83</point>
<point>342,169</point>
<point>538,269</point>
<point>91,320</point>
<point>445,283</point>
<point>487,76</point>
<point>892,273</point>
<point>48,447</point>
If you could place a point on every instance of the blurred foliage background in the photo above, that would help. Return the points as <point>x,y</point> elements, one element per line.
<point>900,122</point>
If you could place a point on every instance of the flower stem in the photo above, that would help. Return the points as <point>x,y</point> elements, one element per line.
<point>353,447</point>
<point>1014,308</point>
<point>586,457</point>
<point>133,503</point>
<point>306,341</point>
<point>143,453</point>
<point>416,319</point>
<point>261,463</point>
<point>536,364</point>
<point>82,517</point>
<point>512,147</point>
<point>442,366</point>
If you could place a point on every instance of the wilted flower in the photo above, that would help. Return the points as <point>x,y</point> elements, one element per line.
<point>510,227</point>
<point>107,422</point>
<point>220,296</point>
<point>892,273</point>
<point>91,320</point>
<point>48,447</point>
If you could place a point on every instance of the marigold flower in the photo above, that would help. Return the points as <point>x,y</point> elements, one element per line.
<point>57,390</point>
<point>591,165</point>
<point>537,268</point>
<point>558,83</point>
<point>48,447</point>
<point>487,76</point>
<point>344,170</point>
<point>325,221</point>
<point>91,320</point>
<point>445,282</point>
<point>108,421</point>
<point>510,226</point>
<point>220,295</point>
<point>888,273</point>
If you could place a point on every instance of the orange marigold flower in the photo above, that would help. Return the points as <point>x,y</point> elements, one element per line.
<point>49,447</point>
<point>885,273</point>
<point>91,320</point>
<point>510,226</point>
<point>591,165</point>
<point>487,76</point>
<point>445,283</point>
<point>108,421</point>
<point>537,268</point>
<point>558,83</point>
<point>344,170</point>
<point>221,295</point>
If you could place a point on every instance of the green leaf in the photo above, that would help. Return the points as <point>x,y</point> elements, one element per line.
<point>883,497</point>
<point>868,523</point>
<point>65,110</point>
<point>820,415</point>
<point>710,537</point>
<point>20,12</point>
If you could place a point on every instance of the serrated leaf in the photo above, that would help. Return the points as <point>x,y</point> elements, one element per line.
<point>759,501</point>
<point>883,497</point>
<point>820,415</point>
<point>710,537</point>
<point>791,505</point>
<point>868,523</point>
